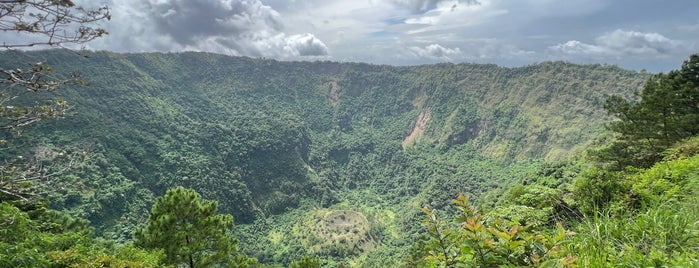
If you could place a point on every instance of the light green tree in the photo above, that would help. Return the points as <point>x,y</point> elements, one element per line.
<point>188,229</point>
<point>474,241</point>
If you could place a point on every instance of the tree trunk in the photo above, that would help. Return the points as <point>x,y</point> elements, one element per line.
<point>191,260</point>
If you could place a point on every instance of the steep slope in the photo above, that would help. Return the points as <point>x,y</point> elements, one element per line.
<point>265,137</point>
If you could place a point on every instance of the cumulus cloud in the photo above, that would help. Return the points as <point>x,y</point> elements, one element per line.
<point>631,42</point>
<point>575,47</point>
<point>406,31</point>
<point>236,27</point>
<point>305,45</point>
<point>621,43</point>
<point>436,52</point>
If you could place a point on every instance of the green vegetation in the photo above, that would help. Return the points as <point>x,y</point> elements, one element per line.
<point>622,216</point>
<point>329,164</point>
<point>41,23</point>
<point>666,113</point>
<point>477,242</point>
<point>187,229</point>
<point>305,262</point>
<point>648,220</point>
<point>36,237</point>
<point>336,232</point>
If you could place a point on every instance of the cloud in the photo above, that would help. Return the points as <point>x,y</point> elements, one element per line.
<point>449,16</point>
<point>689,27</point>
<point>401,31</point>
<point>631,42</point>
<point>305,45</point>
<point>421,6</point>
<point>435,52</point>
<point>555,8</point>
<point>621,43</point>
<point>575,47</point>
<point>235,27</point>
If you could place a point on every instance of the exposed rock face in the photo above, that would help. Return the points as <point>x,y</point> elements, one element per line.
<point>418,127</point>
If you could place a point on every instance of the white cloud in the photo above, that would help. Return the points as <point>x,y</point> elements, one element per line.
<point>417,6</point>
<point>631,42</point>
<point>305,45</point>
<point>453,14</point>
<point>621,43</point>
<point>436,52</point>
<point>575,47</point>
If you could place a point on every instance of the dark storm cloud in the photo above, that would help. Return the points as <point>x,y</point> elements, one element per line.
<point>189,20</point>
<point>653,35</point>
<point>234,27</point>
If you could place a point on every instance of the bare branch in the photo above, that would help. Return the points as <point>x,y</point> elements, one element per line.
<point>57,22</point>
<point>50,23</point>
<point>17,176</point>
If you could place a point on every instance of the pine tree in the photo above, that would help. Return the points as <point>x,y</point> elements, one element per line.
<point>188,229</point>
<point>667,112</point>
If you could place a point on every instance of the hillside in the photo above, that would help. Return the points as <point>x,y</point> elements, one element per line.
<point>278,144</point>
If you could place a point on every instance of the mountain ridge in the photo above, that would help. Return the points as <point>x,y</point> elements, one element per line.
<point>266,137</point>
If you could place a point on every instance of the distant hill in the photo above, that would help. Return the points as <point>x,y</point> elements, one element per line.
<point>265,137</point>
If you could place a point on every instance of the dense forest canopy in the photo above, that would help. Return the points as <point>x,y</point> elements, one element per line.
<point>334,161</point>
<point>258,134</point>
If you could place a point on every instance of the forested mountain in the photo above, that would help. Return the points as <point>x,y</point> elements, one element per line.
<point>298,152</point>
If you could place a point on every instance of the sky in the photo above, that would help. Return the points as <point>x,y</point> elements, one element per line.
<point>655,35</point>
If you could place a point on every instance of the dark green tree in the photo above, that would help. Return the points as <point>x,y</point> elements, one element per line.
<point>667,112</point>
<point>188,229</point>
<point>306,262</point>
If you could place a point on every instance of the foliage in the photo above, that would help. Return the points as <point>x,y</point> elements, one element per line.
<point>19,175</point>
<point>305,262</point>
<point>38,23</point>
<point>49,239</point>
<point>272,140</point>
<point>338,233</point>
<point>188,229</point>
<point>667,112</point>
<point>477,242</point>
<point>534,205</point>
<point>598,189</point>
<point>653,223</point>
<point>645,217</point>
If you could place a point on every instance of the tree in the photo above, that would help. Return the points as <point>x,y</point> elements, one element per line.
<point>305,262</point>
<point>667,112</point>
<point>50,22</point>
<point>188,229</point>
<point>474,241</point>
<point>35,23</point>
<point>37,237</point>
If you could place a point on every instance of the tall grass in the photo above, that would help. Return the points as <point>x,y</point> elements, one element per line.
<point>665,233</point>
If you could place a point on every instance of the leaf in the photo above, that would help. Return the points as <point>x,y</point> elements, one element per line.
<point>472,225</point>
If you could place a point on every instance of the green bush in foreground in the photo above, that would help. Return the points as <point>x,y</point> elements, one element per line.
<point>478,242</point>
